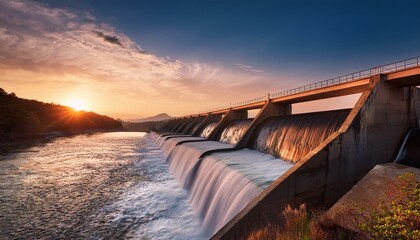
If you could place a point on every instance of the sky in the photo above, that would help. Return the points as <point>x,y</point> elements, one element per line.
<point>131,59</point>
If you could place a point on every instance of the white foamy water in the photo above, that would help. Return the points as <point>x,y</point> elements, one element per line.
<point>159,206</point>
<point>226,182</point>
<point>93,186</point>
<point>208,129</point>
<point>223,183</point>
<point>184,157</point>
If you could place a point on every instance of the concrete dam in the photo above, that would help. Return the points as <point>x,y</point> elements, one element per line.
<point>240,172</point>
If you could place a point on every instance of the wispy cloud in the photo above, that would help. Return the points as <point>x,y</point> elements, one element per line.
<point>43,46</point>
<point>248,68</point>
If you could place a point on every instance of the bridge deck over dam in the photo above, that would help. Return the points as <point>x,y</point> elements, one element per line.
<point>342,150</point>
<point>402,73</point>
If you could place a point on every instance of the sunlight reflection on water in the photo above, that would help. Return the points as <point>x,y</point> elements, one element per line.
<point>105,185</point>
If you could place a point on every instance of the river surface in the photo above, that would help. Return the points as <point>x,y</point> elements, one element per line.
<point>93,186</point>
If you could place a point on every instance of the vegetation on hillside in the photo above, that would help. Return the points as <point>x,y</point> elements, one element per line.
<point>396,217</point>
<point>31,117</point>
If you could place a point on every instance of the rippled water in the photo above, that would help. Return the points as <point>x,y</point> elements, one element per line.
<point>97,186</point>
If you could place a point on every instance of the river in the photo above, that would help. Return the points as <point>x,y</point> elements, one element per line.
<point>93,186</point>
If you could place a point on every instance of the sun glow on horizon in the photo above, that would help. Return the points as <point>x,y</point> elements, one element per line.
<point>77,104</point>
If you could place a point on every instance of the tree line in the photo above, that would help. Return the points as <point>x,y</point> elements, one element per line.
<point>23,116</point>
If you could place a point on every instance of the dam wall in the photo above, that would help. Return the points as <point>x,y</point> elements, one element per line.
<point>342,146</point>
<point>369,136</point>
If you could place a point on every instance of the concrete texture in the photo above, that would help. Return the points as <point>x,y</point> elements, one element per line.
<point>189,128</point>
<point>368,193</point>
<point>369,136</point>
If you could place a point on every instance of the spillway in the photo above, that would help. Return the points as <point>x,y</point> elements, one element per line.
<point>234,131</point>
<point>184,157</point>
<point>326,152</point>
<point>409,153</point>
<point>168,145</point>
<point>292,137</point>
<point>208,129</point>
<point>222,183</point>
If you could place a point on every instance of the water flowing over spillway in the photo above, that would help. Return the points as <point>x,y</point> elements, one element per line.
<point>185,157</point>
<point>292,137</point>
<point>183,126</point>
<point>222,183</point>
<point>234,131</point>
<point>225,183</point>
<point>170,143</point>
<point>208,129</point>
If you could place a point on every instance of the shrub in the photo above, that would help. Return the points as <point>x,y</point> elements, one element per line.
<point>398,218</point>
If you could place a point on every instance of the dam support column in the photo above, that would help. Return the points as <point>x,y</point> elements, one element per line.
<point>415,107</point>
<point>191,125</point>
<point>373,137</point>
<point>269,110</point>
<point>170,126</point>
<point>230,116</point>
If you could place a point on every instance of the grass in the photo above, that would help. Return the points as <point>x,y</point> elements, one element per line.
<point>396,217</point>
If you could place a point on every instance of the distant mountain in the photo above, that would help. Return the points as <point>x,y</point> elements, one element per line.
<point>159,117</point>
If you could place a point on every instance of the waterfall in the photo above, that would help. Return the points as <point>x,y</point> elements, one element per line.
<point>175,125</point>
<point>170,143</point>
<point>184,124</point>
<point>225,183</point>
<point>234,131</point>
<point>221,184</point>
<point>183,158</point>
<point>191,126</point>
<point>292,137</point>
<point>208,129</point>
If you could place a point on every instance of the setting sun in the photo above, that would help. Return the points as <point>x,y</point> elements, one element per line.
<point>77,104</point>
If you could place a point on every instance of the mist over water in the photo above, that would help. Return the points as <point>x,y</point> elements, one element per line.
<point>98,186</point>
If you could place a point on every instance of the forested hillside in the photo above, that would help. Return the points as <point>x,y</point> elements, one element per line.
<point>22,116</point>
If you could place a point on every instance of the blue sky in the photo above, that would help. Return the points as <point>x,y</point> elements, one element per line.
<point>192,55</point>
<point>329,37</point>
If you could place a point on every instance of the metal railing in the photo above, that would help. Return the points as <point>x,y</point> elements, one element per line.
<point>387,68</point>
